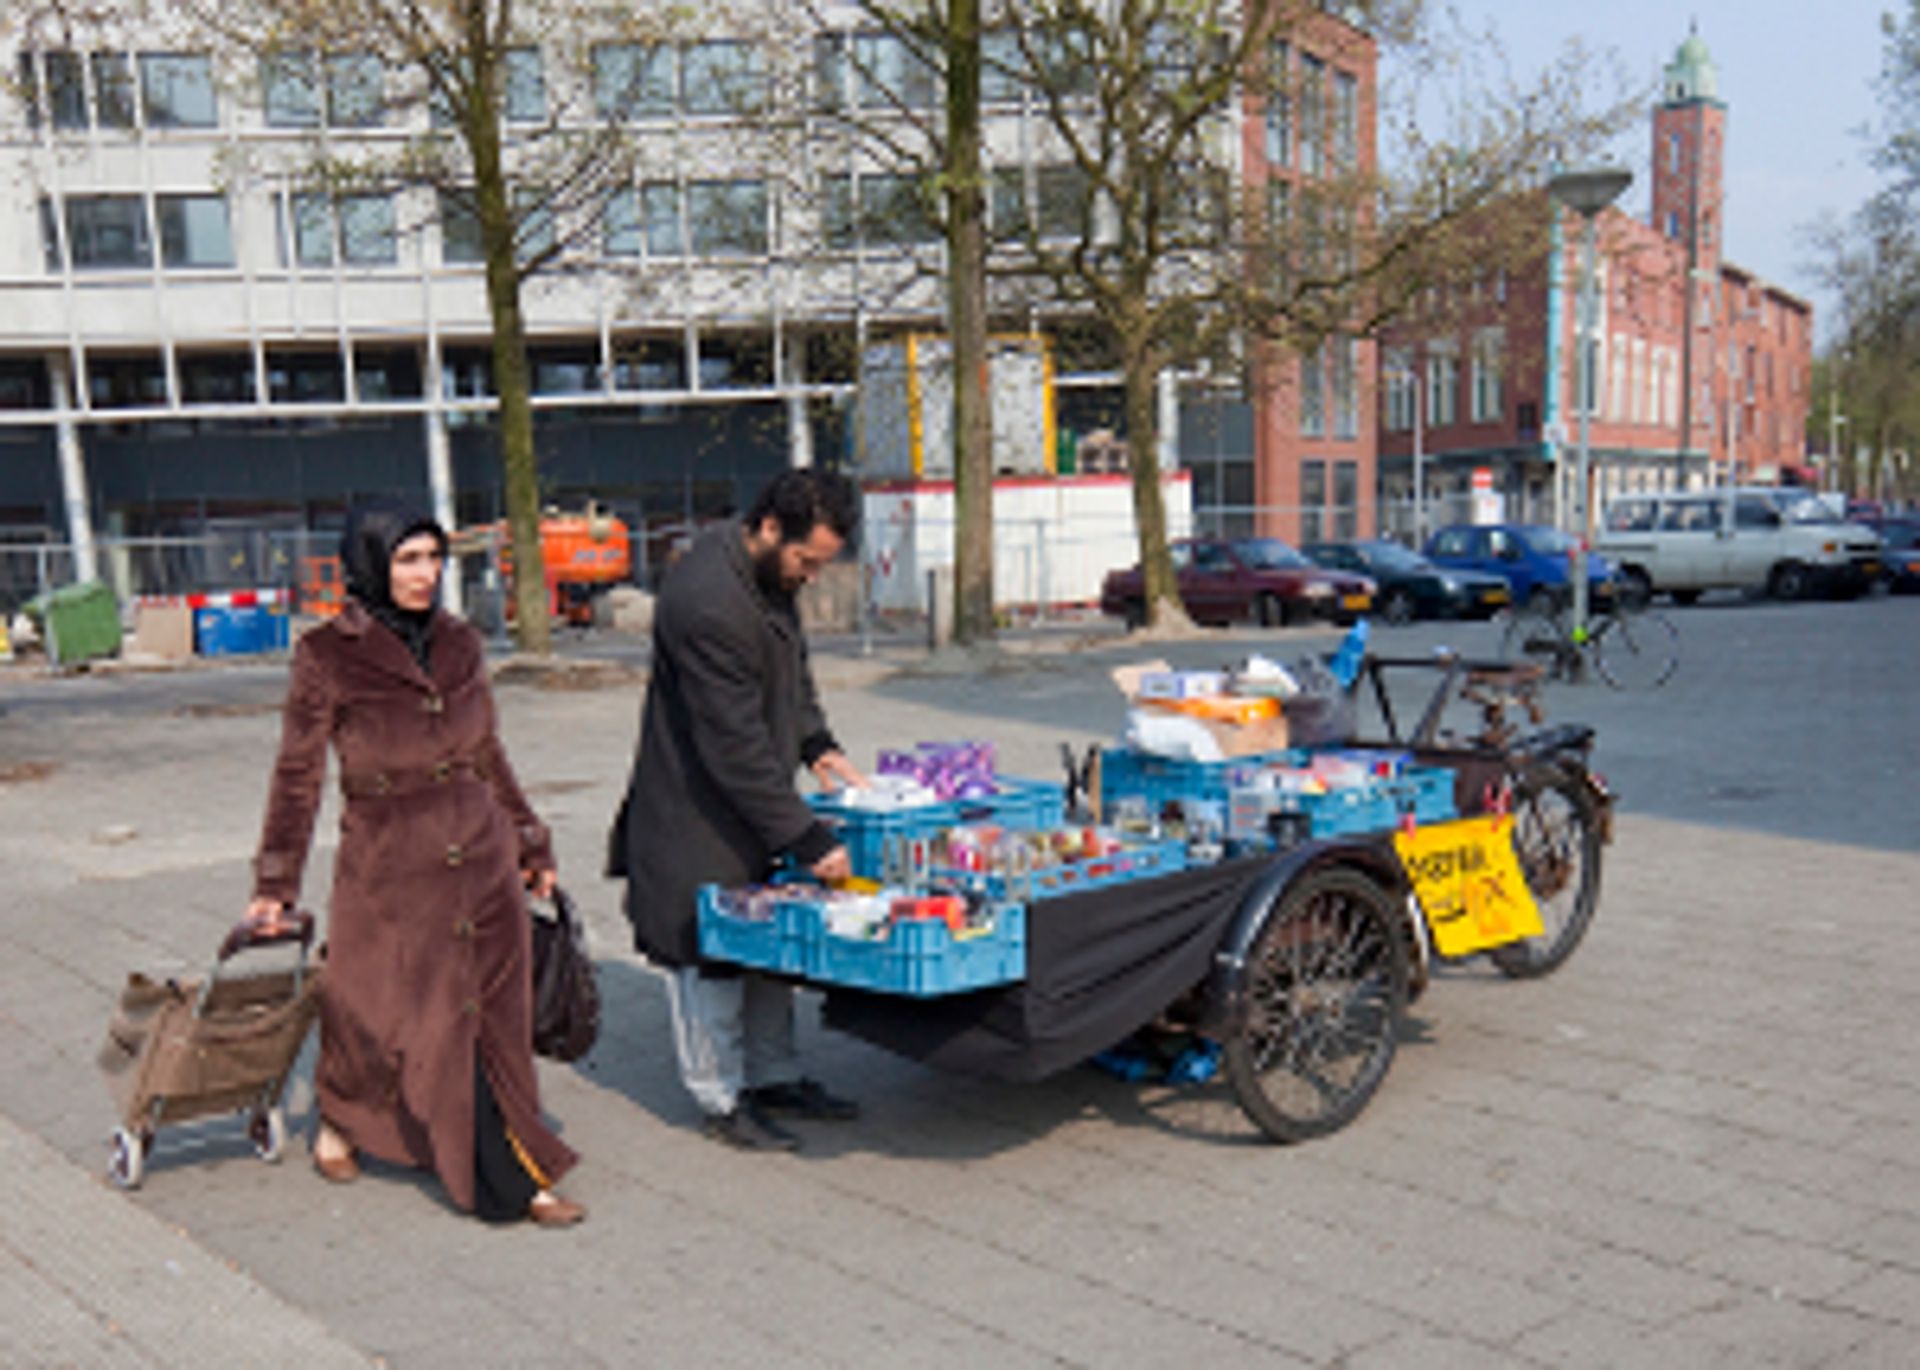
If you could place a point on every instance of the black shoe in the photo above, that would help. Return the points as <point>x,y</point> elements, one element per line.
<point>804,1099</point>
<point>750,1130</point>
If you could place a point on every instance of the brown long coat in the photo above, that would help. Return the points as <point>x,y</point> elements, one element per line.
<point>428,936</point>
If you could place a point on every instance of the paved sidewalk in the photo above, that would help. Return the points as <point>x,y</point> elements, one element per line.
<point>88,1279</point>
<point>1696,1145</point>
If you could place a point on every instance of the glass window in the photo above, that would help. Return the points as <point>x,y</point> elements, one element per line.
<point>1346,120</point>
<point>312,230</point>
<point>723,77</point>
<point>1313,500</point>
<point>367,236</point>
<point>1279,107</point>
<point>829,70</point>
<point>49,235</point>
<point>1313,114</point>
<point>632,80</point>
<point>1001,65</point>
<point>290,92</point>
<point>177,90</point>
<point>1755,511</point>
<point>526,87</point>
<point>660,213</point>
<point>888,73</point>
<point>1454,542</point>
<point>1062,201</point>
<point>460,243</point>
<point>194,230</point>
<point>1313,404</point>
<point>216,378</point>
<point>306,377</point>
<point>66,90</point>
<point>727,218</point>
<point>113,89</point>
<point>1346,400</point>
<point>27,83</point>
<point>356,90</point>
<point>836,213</point>
<point>1346,499</point>
<point>1630,516</point>
<point>1443,388</point>
<point>534,227</point>
<point>1489,381</point>
<point>108,231</point>
<point>893,209</point>
<point>620,224</point>
<point>1007,203</point>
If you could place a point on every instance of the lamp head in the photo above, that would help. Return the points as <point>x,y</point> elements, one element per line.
<point>1589,191</point>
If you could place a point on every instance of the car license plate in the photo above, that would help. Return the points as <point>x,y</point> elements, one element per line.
<point>1468,882</point>
<point>1354,601</point>
<point>1871,568</point>
<point>1494,597</point>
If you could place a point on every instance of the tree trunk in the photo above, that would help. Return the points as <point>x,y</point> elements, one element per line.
<point>1158,585</point>
<point>533,626</point>
<point>967,315</point>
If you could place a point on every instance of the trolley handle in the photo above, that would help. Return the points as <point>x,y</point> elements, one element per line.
<point>294,927</point>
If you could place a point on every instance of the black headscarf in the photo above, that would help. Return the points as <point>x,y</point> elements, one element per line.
<point>375,527</point>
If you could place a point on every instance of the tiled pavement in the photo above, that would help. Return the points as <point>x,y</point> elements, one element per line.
<point>1699,1144</point>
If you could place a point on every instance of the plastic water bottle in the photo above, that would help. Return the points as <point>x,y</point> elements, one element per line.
<point>1345,663</point>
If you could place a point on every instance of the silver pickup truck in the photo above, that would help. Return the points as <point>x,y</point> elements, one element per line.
<point>1780,540</point>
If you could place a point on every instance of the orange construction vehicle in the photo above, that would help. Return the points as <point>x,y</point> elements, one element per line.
<point>586,554</point>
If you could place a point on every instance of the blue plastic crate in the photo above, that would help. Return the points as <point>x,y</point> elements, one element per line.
<point>1020,804</point>
<point>868,833</point>
<point>922,957</point>
<point>777,943</point>
<point>1426,792</point>
<point>1337,813</point>
<point>1145,861</point>
<point>1164,780</point>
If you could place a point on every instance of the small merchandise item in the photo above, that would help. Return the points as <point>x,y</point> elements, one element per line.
<point>1162,685</point>
<point>886,792</point>
<point>951,770</point>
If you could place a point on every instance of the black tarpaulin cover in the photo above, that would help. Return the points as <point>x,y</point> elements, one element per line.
<point>1099,966</point>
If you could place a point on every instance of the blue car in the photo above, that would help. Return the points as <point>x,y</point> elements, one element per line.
<point>1533,558</point>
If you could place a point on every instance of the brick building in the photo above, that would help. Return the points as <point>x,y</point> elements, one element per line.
<point>1699,368</point>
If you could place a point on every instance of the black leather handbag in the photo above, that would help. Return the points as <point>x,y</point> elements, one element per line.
<point>566,996</point>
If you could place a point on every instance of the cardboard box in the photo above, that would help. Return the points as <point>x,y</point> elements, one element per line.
<point>164,631</point>
<point>1248,738</point>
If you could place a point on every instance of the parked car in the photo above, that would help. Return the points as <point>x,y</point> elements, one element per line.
<point>1259,578</point>
<point>1533,559</point>
<point>1408,586</point>
<point>1777,539</point>
<point>1900,555</point>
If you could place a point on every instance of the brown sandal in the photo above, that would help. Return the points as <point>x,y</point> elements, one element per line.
<point>549,1209</point>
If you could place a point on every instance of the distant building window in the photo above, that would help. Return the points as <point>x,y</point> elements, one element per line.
<point>723,77</point>
<point>113,89</point>
<point>1313,401</point>
<point>460,243</point>
<point>1397,372</point>
<point>356,90</point>
<point>104,232</point>
<point>1443,385</point>
<point>887,73</point>
<point>526,87</point>
<point>1673,224</point>
<point>289,90</point>
<point>176,90</point>
<point>1279,106</point>
<point>1313,115</point>
<point>1313,501</point>
<point>633,81</point>
<point>1346,500</point>
<point>1673,152</point>
<point>727,218</point>
<point>1346,399</point>
<point>620,224</point>
<point>1489,378</point>
<point>660,217</point>
<point>194,231</point>
<point>1346,120</point>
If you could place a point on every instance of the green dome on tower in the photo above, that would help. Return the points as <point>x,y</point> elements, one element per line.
<point>1691,74</point>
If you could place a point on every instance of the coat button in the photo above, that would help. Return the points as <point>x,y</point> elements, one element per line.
<point>470,1008</point>
<point>455,856</point>
<point>433,704</point>
<point>464,928</point>
<point>381,784</point>
<point>442,770</point>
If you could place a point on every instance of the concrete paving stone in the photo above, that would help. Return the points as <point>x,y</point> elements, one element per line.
<point>1887,1349</point>
<point>1763,1329</point>
<point>1779,1209</point>
<point>1660,1232</point>
<point>1432,1351</point>
<point>41,1326</point>
<point>1587,1337</point>
<point>1779,1268</point>
<point>1831,1170</point>
<point>1632,1285</point>
<point>1889,1294</point>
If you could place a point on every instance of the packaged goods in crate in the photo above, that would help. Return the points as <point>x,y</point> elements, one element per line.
<point>899,807</point>
<point>1161,780</point>
<point>1039,864</point>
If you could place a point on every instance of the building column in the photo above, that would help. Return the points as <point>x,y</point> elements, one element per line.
<point>799,431</point>
<point>1169,420</point>
<point>440,482</point>
<point>73,471</point>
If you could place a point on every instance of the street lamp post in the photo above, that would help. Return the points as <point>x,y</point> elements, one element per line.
<point>1586,193</point>
<point>1410,375</point>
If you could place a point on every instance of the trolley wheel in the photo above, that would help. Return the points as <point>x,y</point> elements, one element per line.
<point>1325,986</point>
<point>1556,835</point>
<point>128,1165</point>
<point>268,1129</point>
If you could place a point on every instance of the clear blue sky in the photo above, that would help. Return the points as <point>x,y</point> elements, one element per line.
<point>1797,79</point>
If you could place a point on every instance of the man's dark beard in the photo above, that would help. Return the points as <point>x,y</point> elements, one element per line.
<point>766,573</point>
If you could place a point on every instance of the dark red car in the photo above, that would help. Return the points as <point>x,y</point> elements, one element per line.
<point>1262,579</point>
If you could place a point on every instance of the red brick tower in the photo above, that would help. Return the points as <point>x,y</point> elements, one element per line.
<point>1689,157</point>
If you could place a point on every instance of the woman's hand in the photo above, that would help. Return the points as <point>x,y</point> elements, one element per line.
<point>265,914</point>
<point>541,882</point>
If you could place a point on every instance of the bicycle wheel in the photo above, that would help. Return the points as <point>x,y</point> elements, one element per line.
<point>1534,633</point>
<point>1556,835</point>
<point>1636,651</point>
<point>1326,984</point>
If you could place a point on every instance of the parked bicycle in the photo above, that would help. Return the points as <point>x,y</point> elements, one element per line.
<point>1632,646</point>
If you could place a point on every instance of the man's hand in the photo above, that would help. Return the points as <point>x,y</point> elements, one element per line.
<point>267,917</point>
<point>833,770</point>
<point>834,866</point>
<point>541,882</point>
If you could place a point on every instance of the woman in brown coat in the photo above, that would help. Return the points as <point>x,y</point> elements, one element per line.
<point>426,1054</point>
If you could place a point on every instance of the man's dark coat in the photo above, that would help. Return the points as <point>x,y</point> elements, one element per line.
<point>730,715</point>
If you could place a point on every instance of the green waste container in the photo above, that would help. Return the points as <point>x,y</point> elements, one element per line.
<point>77,622</point>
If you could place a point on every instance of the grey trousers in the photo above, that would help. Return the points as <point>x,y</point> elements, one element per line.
<point>731,1034</point>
